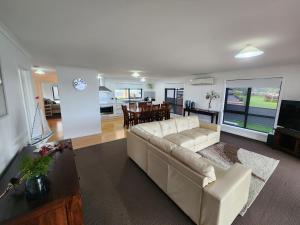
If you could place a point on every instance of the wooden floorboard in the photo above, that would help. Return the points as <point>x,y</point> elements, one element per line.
<point>112,129</point>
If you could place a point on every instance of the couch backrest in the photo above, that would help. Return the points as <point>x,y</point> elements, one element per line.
<point>193,122</point>
<point>152,128</point>
<point>194,161</point>
<point>167,127</point>
<point>182,123</point>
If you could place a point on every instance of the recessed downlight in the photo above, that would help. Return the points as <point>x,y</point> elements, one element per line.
<point>143,79</point>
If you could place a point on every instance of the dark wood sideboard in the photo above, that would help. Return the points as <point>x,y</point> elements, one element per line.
<point>61,206</point>
<point>287,140</point>
<point>214,115</point>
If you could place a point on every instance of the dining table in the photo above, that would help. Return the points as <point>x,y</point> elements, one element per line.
<point>135,111</point>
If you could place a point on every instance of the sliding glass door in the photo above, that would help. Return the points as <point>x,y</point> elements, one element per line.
<point>235,106</point>
<point>174,96</point>
<point>251,108</point>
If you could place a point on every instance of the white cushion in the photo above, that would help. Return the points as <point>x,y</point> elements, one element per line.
<point>168,127</point>
<point>199,137</point>
<point>181,140</point>
<point>152,128</point>
<point>207,132</point>
<point>195,162</point>
<point>193,122</point>
<point>182,123</point>
<point>141,132</point>
<point>162,144</point>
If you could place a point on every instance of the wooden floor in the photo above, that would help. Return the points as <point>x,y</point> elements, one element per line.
<point>112,129</point>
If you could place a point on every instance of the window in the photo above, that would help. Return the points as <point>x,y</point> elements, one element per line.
<point>55,93</point>
<point>135,93</point>
<point>121,94</point>
<point>252,104</point>
<point>128,93</point>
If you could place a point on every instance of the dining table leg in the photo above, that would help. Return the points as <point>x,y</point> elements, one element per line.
<point>136,119</point>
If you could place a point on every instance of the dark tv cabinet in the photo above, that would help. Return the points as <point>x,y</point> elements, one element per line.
<point>287,140</point>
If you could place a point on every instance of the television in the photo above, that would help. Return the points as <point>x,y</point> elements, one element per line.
<point>289,115</point>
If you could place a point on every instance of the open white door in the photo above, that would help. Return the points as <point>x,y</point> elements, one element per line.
<point>25,77</point>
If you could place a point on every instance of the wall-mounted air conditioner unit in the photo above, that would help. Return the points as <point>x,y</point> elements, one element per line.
<point>203,81</point>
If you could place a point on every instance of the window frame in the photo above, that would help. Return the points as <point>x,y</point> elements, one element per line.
<point>246,112</point>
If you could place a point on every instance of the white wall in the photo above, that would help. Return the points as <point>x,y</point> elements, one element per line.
<point>13,127</point>
<point>160,86</point>
<point>80,109</point>
<point>290,90</point>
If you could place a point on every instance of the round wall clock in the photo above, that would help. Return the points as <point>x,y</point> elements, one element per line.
<point>79,84</point>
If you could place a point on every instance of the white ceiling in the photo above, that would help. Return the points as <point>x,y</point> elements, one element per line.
<point>161,37</point>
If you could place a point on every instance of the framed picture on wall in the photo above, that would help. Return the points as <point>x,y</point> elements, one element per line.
<point>55,92</point>
<point>3,108</point>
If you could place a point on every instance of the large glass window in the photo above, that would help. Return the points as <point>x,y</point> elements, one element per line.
<point>128,93</point>
<point>252,107</point>
<point>121,94</point>
<point>135,93</point>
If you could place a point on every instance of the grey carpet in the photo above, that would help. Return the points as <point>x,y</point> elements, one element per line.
<point>116,192</point>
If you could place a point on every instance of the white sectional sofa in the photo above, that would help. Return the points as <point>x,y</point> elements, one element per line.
<point>165,151</point>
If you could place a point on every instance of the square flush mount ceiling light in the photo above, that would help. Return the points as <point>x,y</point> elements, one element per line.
<point>135,74</point>
<point>248,52</point>
<point>39,71</point>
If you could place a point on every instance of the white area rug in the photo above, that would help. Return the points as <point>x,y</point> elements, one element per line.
<point>262,167</point>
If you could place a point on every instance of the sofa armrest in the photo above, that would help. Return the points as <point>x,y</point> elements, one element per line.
<point>210,126</point>
<point>224,199</point>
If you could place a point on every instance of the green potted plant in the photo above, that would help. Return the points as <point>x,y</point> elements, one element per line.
<point>34,170</point>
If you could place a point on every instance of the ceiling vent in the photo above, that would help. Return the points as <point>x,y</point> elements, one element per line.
<point>203,81</point>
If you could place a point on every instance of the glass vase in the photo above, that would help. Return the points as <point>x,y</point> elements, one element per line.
<point>36,187</point>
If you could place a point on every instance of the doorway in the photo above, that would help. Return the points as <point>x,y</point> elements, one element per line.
<point>174,97</point>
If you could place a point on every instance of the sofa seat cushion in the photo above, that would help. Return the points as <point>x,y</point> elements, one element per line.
<point>195,162</point>
<point>182,123</point>
<point>207,132</point>
<point>168,127</point>
<point>198,136</point>
<point>162,144</point>
<point>141,132</point>
<point>153,128</point>
<point>181,140</point>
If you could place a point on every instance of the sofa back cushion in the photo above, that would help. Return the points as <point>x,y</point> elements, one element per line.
<point>195,162</point>
<point>168,127</point>
<point>153,128</point>
<point>162,144</point>
<point>141,132</point>
<point>193,122</point>
<point>182,123</point>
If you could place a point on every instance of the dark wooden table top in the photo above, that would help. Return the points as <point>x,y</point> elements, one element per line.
<point>63,183</point>
<point>201,110</point>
